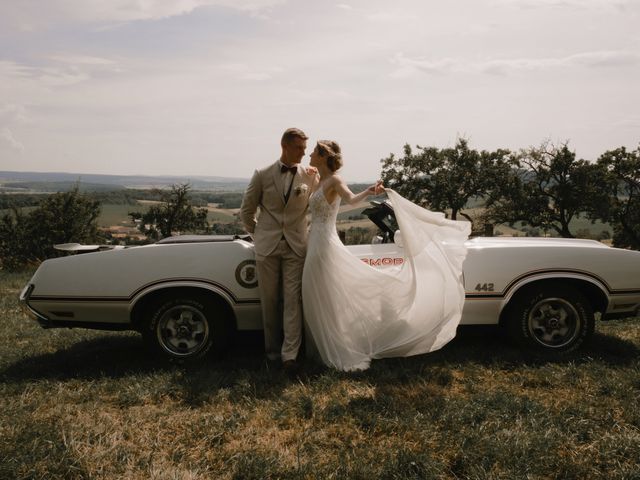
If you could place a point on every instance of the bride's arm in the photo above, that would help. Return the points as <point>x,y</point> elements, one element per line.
<point>315,181</point>
<point>349,197</point>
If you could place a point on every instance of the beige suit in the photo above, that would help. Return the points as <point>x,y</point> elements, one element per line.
<point>280,230</point>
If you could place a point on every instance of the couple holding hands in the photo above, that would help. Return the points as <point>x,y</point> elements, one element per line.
<point>352,312</point>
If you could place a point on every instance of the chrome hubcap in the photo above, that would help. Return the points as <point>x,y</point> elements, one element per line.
<point>554,322</point>
<point>182,330</point>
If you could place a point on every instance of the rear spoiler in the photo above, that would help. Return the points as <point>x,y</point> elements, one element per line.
<point>78,247</point>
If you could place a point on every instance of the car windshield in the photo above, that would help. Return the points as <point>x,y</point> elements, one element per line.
<point>390,222</point>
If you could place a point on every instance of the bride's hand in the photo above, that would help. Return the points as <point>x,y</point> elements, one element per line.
<point>376,189</point>
<point>312,170</point>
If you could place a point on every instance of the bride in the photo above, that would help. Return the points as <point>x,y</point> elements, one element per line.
<point>355,312</point>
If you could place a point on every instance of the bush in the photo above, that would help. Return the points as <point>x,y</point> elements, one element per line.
<point>60,218</point>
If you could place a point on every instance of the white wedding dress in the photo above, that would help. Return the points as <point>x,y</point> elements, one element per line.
<point>356,312</point>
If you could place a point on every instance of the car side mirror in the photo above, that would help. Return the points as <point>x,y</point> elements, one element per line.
<point>397,239</point>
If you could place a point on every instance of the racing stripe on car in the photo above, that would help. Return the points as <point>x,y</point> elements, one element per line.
<point>530,273</point>
<point>234,298</point>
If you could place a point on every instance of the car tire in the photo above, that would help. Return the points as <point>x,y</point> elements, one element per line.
<point>187,327</point>
<point>550,319</point>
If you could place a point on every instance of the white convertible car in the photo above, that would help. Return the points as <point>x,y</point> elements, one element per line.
<point>188,294</point>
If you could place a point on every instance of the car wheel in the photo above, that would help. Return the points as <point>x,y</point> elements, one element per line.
<point>186,327</point>
<point>550,318</point>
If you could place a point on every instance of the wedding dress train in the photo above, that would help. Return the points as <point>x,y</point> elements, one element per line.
<point>356,312</point>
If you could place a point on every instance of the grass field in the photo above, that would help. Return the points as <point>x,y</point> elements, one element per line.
<point>116,214</point>
<point>80,404</point>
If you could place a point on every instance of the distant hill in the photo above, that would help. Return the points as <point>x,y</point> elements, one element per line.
<point>47,187</point>
<point>59,181</point>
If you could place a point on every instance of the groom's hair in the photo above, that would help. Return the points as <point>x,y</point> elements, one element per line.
<point>291,133</point>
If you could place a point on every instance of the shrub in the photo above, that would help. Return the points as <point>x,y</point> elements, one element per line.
<point>60,218</point>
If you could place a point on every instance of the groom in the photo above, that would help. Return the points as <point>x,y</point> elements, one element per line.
<point>281,191</point>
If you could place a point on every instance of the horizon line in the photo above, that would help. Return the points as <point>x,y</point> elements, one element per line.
<point>187,176</point>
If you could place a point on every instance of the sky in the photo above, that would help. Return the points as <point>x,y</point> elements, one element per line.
<point>206,87</point>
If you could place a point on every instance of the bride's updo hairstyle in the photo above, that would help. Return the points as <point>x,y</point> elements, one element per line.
<point>331,150</point>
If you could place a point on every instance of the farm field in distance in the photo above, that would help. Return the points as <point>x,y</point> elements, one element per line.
<point>118,214</point>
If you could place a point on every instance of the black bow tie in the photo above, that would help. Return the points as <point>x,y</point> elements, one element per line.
<point>293,169</point>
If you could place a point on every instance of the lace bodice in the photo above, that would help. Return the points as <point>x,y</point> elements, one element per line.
<point>323,213</point>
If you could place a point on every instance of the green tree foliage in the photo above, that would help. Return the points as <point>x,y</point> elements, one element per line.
<point>547,189</point>
<point>174,215</point>
<point>8,202</point>
<point>620,175</point>
<point>60,218</point>
<point>444,179</point>
<point>234,228</point>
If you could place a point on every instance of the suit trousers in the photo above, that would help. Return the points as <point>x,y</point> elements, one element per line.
<point>281,272</point>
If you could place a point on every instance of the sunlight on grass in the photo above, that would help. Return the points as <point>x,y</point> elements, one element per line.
<point>90,404</point>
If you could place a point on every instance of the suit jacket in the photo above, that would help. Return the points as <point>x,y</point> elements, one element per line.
<point>276,218</point>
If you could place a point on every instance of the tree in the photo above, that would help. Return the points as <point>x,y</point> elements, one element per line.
<point>60,218</point>
<point>14,252</point>
<point>174,214</point>
<point>233,228</point>
<point>620,172</point>
<point>547,189</point>
<point>445,179</point>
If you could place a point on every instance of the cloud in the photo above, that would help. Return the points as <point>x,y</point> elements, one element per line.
<point>10,69</point>
<point>44,76</point>
<point>214,83</point>
<point>243,71</point>
<point>588,59</point>
<point>605,59</point>
<point>7,138</point>
<point>629,122</point>
<point>13,113</point>
<point>82,60</point>
<point>573,4</point>
<point>29,15</point>
<point>256,76</point>
<point>391,16</point>
<point>60,71</point>
<point>408,66</point>
<point>84,66</point>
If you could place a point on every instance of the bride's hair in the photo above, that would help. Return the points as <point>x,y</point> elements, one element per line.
<point>331,150</point>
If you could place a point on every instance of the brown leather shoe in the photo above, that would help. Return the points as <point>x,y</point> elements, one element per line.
<point>290,367</point>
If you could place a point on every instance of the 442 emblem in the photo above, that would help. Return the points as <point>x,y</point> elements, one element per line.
<point>484,287</point>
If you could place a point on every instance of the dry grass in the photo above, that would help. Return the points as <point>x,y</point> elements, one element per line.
<point>79,404</point>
